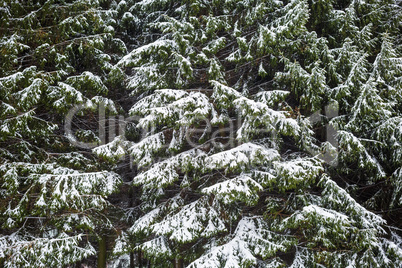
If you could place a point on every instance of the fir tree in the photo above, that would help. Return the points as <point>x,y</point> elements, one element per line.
<point>53,196</point>
<point>225,170</point>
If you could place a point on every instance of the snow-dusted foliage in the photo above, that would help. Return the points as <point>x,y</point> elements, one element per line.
<point>227,108</point>
<point>252,237</point>
<point>53,199</point>
<point>228,166</point>
<point>56,248</point>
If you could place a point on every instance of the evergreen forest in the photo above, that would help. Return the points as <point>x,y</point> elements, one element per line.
<point>200,133</point>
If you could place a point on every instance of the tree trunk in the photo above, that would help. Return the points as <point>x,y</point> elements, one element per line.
<point>102,253</point>
<point>130,197</point>
<point>132,260</point>
<point>179,263</point>
<point>139,259</point>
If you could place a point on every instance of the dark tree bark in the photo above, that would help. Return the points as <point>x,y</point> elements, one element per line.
<point>102,253</point>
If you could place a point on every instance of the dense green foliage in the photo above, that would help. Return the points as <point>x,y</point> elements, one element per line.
<point>259,133</point>
<point>53,196</point>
